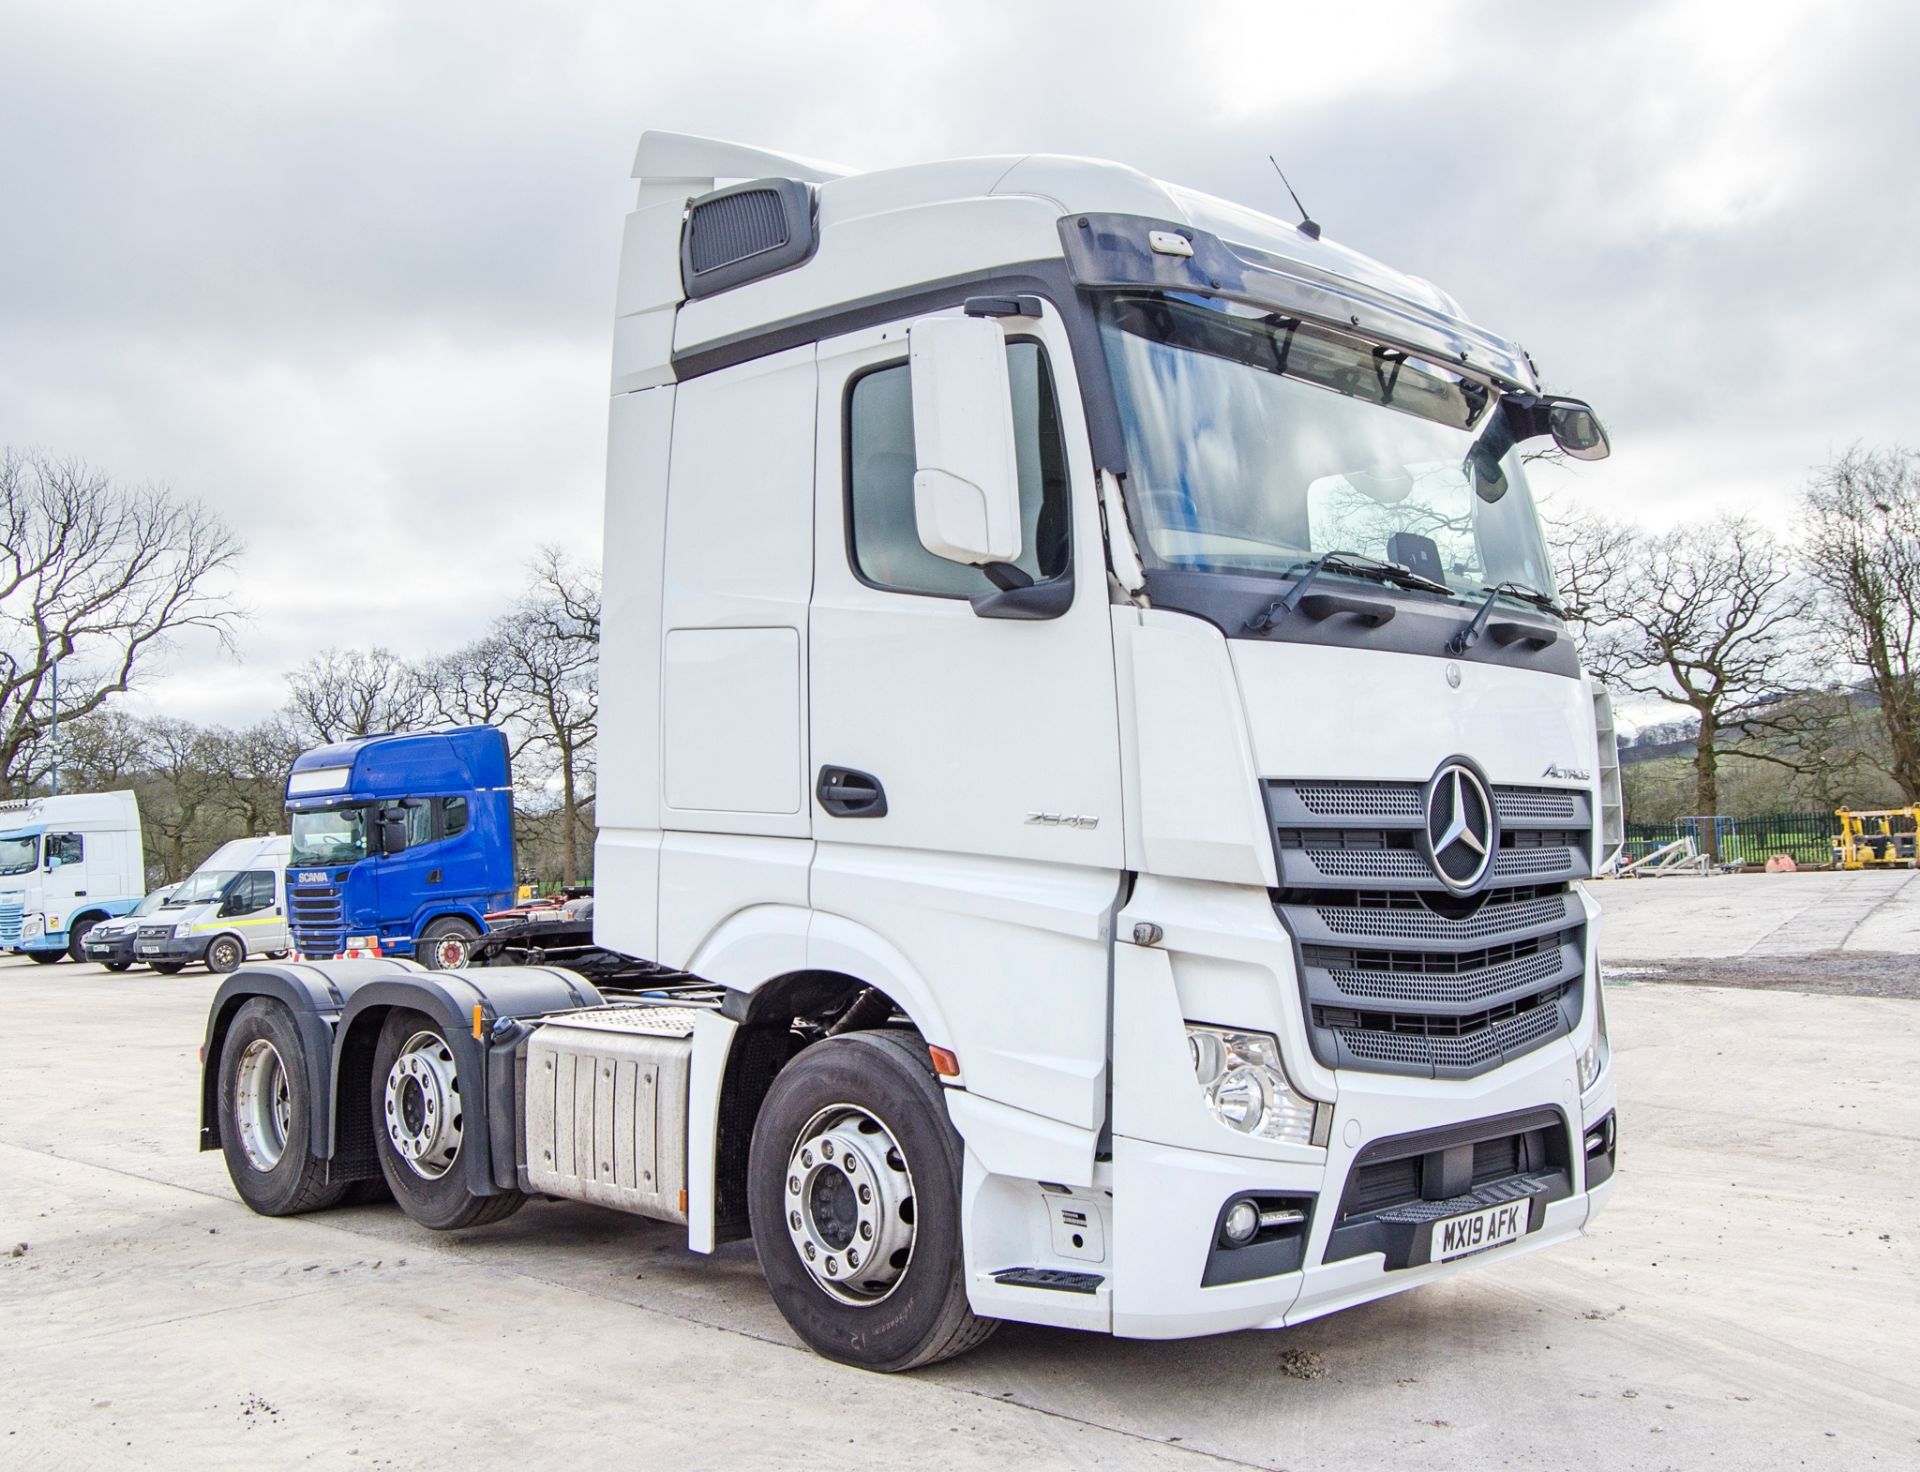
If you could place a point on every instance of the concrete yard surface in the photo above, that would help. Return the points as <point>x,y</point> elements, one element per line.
<point>1691,916</point>
<point>1746,1301</point>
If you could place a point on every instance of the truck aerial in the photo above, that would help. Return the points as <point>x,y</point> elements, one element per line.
<point>1094,781</point>
<point>401,844</point>
<point>66,864</point>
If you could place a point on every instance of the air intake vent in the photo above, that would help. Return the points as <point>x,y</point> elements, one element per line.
<point>740,234</point>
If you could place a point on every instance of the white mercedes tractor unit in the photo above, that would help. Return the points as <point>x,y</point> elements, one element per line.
<point>1093,794</point>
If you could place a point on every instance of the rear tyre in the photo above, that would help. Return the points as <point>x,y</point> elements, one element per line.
<point>854,1196</point>
<point>446,944</point>
<point>77,936</point>
<point>266,1114</point>
<point>47,958</point>
<point>168,968</point>
<point>421,1126</point>
<point>225,953</point>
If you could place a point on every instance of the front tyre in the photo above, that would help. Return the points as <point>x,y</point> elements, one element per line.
<point>225,954</point>
<point>446,944</point>
<point>266,1114</point>
<point>47,958</point>
<point>77,938</point>
<point>854,1195</point>
<point>421,1125</point>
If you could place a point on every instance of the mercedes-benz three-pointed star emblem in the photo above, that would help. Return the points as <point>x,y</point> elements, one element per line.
<point>1462,828</point>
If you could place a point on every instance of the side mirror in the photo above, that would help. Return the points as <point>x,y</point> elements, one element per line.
<point>1576,429</point>
<point>393,835</point>
<point>54,861</point>
<point>966,482</point>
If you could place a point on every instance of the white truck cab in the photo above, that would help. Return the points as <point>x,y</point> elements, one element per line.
<point>1096,784</point>
<point>232,907</point>
<point>67,863</point>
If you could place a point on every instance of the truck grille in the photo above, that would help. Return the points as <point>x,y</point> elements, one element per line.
<point>318,922</point>
<point>1399,974</point>
<point>13,911</point>
<point>154,932</point>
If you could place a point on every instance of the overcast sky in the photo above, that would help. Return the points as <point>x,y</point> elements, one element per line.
<point>344,271</point>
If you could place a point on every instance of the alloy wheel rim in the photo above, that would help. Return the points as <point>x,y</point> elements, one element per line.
<point>849,1205</point>
<point>262,1105</point>
<point>422,1108</point>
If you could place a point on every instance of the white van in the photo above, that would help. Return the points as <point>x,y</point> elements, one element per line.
<point>232,907</point>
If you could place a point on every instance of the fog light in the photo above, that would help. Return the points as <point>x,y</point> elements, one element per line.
<point>1241,1222</point>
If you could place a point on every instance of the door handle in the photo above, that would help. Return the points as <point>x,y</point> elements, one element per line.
<point>846,793</point>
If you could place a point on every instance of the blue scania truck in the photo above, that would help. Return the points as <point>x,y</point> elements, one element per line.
<point>401,844</point>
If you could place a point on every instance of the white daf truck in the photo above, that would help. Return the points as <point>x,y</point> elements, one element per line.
<point>1095,785</point>
<point>67,863</point>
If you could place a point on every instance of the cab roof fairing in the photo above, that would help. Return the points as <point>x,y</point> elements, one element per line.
<point>407,764</point>
<point>1262,256</point>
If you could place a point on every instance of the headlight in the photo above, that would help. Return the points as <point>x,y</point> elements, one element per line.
<point>184,928</point>
<point>1245,1087</point>
<point>1595,1056</point>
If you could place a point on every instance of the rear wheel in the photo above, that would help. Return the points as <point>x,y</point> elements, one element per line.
<point>47,958</point>
<point>421,1125</point>
<point>446,944</point>
<point>266,1114</point>
<point>77,937</point>
<point>854,1194</point>
<point>225,953</point>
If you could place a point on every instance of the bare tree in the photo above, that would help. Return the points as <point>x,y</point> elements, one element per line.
<point>250,772</point>
<point>551,645</point>
<point>180,810</point>
<point>1709,617</point>
<point>343,693</point>
<point>1591,554</point>
<point>95,579</point>
<point>1861,525</point>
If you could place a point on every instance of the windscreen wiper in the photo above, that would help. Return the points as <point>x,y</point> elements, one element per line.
<point>1467,637</point>
<point>1354,564</point>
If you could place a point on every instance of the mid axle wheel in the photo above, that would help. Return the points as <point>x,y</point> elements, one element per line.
<point>421,1128</point>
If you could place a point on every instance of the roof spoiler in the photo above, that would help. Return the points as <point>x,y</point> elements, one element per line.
<point>670,164</point>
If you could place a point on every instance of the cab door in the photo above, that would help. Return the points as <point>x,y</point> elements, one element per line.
<point>965,770</point>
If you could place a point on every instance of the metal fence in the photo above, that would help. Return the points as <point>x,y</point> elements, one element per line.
<point>1806,837</point>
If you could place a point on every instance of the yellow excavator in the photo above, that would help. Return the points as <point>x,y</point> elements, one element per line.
<point>1870,839</point>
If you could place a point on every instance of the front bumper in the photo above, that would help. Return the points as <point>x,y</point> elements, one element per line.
<point>109,950</point>
<point>1168,1199</point>
<point>177,948</point>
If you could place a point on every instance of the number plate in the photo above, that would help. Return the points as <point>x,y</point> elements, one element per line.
<point>151,950</point>
<point>1492,1226</point>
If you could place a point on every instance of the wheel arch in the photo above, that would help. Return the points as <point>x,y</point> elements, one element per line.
<point>449,910</point>
<point>449,999</point>
<point>314,996</point>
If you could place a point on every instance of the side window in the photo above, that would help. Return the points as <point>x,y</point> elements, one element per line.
<point>68,848</point>
<point>419,822</point>
<point>453,818</point>
<point>883,540</point>
<point>252,891</point>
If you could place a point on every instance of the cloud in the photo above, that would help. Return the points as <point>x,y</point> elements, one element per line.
<point>345,271</point>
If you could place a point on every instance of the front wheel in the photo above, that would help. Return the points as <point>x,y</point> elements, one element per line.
<point>854,1195</point>
<point>116,965</point>
<point>224,954</point>
<point>421,1125</point>
<point>77,939</point>
<point>266,1114</point>
<point>446,944</point>
<point>47,958</point>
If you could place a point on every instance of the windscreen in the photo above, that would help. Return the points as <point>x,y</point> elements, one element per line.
<point>1256,442</point>
<point>198,888</point>
<point>19,855</point>
<point>334,836</point>
<point>152,902</point>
